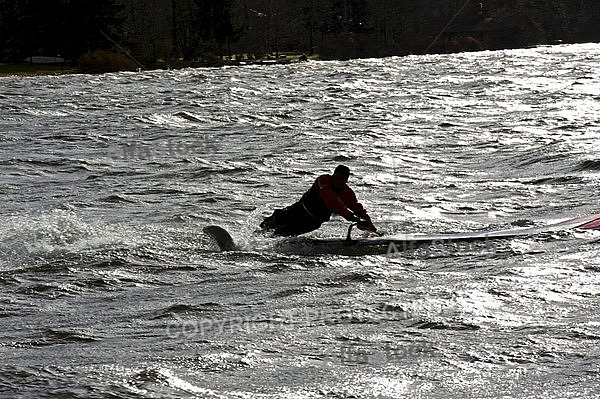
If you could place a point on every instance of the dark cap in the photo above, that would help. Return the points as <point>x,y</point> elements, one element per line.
<point>342,169</point>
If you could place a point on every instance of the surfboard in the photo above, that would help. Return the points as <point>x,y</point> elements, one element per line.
<point>369,245</point>
<point>586,222</point>
<point>398,243</point>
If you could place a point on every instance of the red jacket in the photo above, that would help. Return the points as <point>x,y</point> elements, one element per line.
<point>322,199</point>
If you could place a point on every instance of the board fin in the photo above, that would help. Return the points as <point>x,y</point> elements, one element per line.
<point>221,237</point>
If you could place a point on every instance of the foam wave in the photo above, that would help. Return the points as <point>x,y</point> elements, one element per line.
<point>180,119</point>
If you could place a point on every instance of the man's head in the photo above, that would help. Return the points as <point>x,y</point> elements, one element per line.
<point>340,176</point>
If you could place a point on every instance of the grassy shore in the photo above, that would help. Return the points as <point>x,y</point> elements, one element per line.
<point>34,69</point>
<point>49,69</point>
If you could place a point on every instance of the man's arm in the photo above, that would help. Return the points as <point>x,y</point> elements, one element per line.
<point>333,202</point>
<point>345,204</point>
<point>359,210</point>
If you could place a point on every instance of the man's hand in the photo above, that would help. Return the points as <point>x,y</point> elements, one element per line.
<point>364,223</point>
<point>371,227</point>
<point>355,218</point>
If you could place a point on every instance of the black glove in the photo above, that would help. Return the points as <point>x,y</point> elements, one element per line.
<point>362,225</point>
<point>355,218</point>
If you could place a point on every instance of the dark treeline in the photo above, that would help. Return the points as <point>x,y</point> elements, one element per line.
<point>180,31</point>
<point>52,27</point>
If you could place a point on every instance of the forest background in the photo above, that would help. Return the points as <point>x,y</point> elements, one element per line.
<point>173,33</point>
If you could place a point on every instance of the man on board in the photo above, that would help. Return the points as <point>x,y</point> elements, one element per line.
<point>328,194</point>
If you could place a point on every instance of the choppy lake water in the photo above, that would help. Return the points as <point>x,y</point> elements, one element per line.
<point>109,288</point>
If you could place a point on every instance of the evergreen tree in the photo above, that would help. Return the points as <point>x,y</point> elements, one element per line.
<point>169,29</point>
<point>84,22</point>
<point>215,21</point>
<point>55,27</point>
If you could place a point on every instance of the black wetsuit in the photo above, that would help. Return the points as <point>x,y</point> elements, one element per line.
<point>313,209</point>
